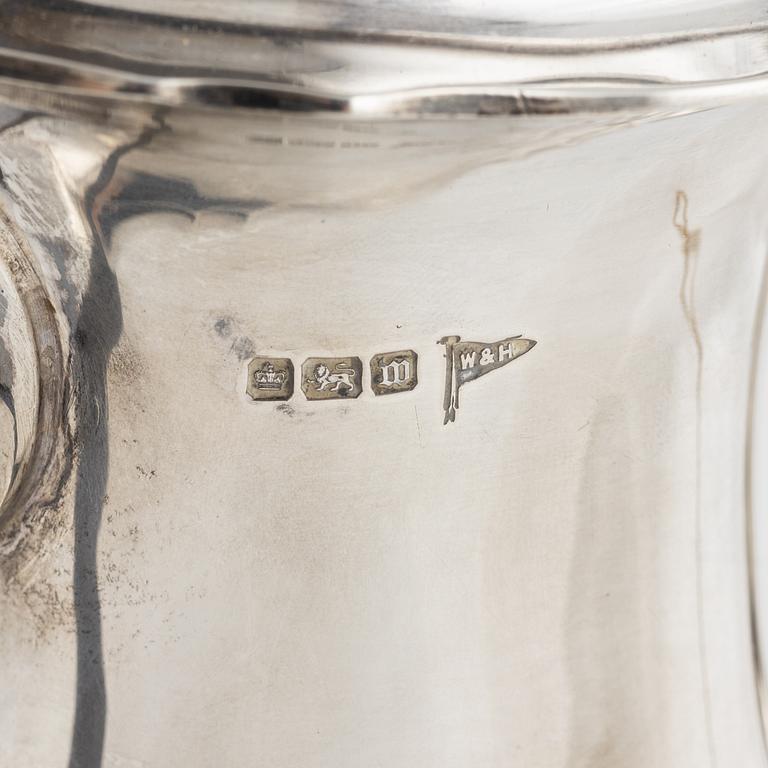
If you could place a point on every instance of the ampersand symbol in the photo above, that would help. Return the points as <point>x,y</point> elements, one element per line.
<point>486,356</point>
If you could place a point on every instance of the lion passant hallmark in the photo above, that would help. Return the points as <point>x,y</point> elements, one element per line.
<point>341,378</point>
<point>332,378</point>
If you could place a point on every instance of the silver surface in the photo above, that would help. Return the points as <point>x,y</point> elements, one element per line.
<point>572,573</point>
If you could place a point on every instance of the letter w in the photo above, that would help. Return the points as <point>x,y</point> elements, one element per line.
<point>467,360</point>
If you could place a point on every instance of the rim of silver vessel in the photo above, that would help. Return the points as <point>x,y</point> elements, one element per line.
<point>422,65</point>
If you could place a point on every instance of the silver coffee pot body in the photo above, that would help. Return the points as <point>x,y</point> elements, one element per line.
<point>413,429</point>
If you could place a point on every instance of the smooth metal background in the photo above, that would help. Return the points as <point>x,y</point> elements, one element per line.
<point>560,578</point>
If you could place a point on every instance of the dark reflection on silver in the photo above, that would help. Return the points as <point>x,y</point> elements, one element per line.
<point>98,329</point>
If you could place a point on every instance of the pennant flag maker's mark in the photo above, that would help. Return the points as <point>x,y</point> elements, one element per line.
<point>468,360</point>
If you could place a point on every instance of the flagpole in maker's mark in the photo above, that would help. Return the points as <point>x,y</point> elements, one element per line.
<point>449,396</point>
<point>468,360</point>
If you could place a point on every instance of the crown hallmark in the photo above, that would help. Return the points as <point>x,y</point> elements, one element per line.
<point>270,378</point>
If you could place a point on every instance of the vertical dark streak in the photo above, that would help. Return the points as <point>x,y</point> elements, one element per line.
<point>690,247</point>
<point>98,330</point>
<point>749,469</point>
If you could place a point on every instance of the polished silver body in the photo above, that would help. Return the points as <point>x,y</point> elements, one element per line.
<point>198,570</point>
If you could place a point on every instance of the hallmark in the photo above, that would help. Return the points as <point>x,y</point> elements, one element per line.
<point>341,378</point>
<point>393,372</point>
<point>270,378</point>
<point>332,378</point>
<point>466,361</point>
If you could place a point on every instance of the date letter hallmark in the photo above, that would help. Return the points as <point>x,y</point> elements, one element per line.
<point>466,361</point>
<point>393,372</point>
<point>332,378</point>
<point>270,378</point>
